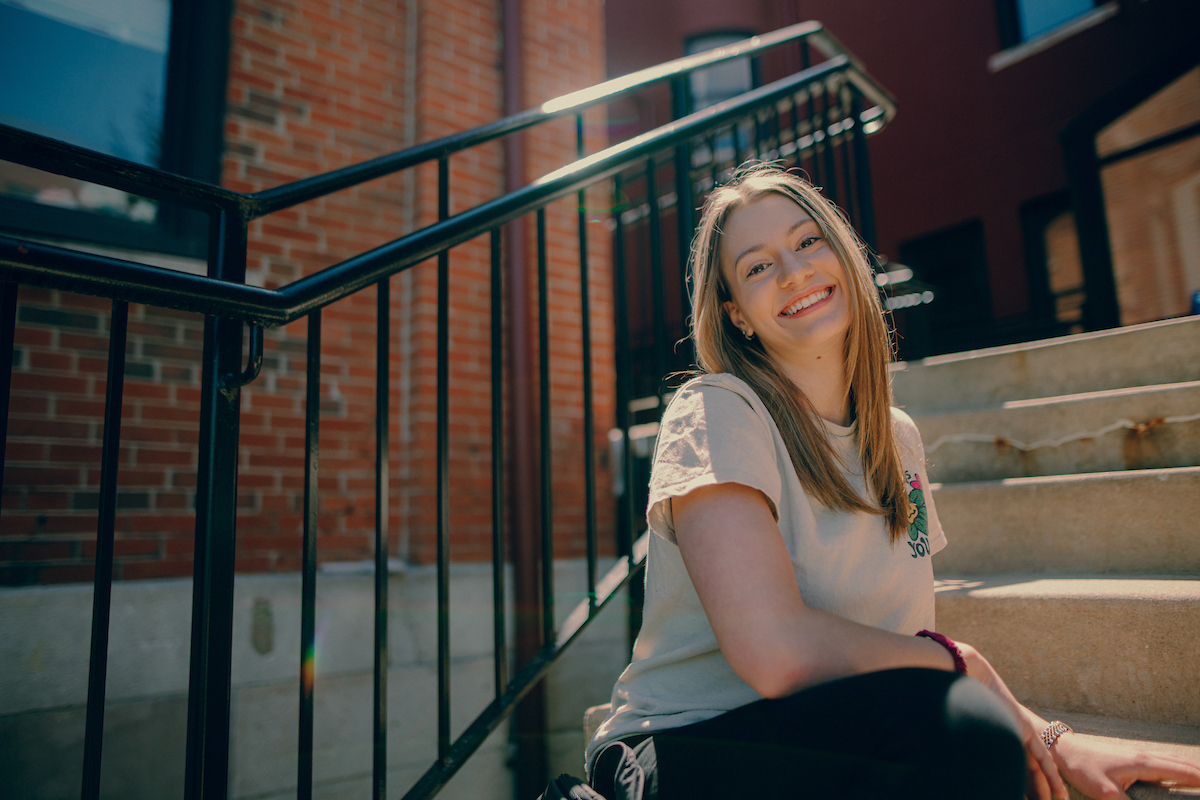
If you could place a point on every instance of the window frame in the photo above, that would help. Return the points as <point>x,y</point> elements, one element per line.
<point>192,144</point>
<point>739,33</point>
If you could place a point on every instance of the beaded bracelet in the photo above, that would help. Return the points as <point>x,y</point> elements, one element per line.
<point>960,663</point>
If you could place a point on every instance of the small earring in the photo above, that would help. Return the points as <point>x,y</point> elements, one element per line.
<point>749,335</point>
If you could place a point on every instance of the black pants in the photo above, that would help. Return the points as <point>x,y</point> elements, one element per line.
<point>902,733</point>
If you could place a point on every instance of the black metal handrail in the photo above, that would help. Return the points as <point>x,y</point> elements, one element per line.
<point>51,155</point>
<point>818,114</point>
<point>101,276</point>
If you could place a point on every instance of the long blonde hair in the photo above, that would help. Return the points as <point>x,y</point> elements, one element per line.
<point>721,347</point>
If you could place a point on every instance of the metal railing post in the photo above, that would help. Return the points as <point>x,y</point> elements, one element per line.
<point>93,739</point>
<point>8,323</point>
<point>207,766</point>
<point>382,422</point>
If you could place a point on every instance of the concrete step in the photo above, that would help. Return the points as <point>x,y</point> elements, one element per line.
<point>1182,741</point>
<point>1139,355</point>
<point>1124,648</point>
<point>1146,427</point>
<point>1126,522</point>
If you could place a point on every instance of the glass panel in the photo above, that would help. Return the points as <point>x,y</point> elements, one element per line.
<point>1043,16</point>
<point>721,82</point>
<point>88,72</point>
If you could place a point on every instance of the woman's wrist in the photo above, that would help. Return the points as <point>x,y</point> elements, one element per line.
<point>956,653</point>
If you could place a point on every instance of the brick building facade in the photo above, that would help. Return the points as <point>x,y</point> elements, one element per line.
<point>314,85</point>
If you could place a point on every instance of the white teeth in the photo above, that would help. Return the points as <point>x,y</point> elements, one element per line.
<point>812,299</point>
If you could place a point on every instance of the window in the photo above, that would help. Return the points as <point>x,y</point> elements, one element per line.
<point>720,82</point>
<point>1023,20</point>
<point>112,77</point>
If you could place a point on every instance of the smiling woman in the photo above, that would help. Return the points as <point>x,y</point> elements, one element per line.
<point>777,656</point>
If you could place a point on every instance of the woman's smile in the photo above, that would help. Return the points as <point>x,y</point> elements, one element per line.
<point>806,302</point>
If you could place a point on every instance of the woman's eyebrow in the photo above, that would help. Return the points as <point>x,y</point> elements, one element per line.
<point>754,247</point>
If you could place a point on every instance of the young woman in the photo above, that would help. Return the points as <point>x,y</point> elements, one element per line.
<point>777,656</point>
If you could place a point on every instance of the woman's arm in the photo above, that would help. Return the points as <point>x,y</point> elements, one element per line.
<point>737,561</point>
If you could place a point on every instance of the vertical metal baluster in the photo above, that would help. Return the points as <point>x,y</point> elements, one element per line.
<point>794,99</point>
<point>589,419</point>
<point>757,129</point>
<point>777,130</point>
<point>544,407</point>
<point>206,773</point>
<point>662,347</point>
<point>713,167</point>
<point>623,358</point>
<point>8,326</point>
<point>844,146</point>
<point>308,587</point>
<point>681,97</point>
<point>626,513</point>
<point>110,453</point>
<point>810,107</point>
<point>830,167</point>
<point>499,631</point>
<point>862,174</point>
<point>805,56</point>
<point>383,313</point>
<point>443,469</point>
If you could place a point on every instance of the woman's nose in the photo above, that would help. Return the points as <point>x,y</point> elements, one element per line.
<point>795,268</point>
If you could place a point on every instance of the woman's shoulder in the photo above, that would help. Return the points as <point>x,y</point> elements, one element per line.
<point>907,434</point>
<point>713,393</point>
<point>710,399</point>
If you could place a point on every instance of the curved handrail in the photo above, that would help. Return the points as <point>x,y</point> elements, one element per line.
<point>58,267</point>
<point>51,155</point>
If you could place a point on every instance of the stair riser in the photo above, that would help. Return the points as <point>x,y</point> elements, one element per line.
<point>1139,522</point>
<point>1124,658</point>
<point>1167,352</point>
<point>1160,445</point>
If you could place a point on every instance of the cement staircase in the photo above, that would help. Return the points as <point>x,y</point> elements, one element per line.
<point>1066,474</point>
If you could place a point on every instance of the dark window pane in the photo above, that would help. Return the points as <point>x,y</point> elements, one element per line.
<point>92,74</point>
<point>1042,16</point>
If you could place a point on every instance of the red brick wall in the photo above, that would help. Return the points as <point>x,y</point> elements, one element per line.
<point>315,86</point>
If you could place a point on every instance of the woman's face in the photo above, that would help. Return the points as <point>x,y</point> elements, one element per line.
<point>787,285</point>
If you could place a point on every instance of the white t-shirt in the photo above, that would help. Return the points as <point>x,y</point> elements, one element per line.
<point>717,430</point>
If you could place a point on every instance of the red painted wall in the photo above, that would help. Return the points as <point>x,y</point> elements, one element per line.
<point>966,142</point>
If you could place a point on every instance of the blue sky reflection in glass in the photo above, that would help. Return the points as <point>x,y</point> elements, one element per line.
<point>91,73</point>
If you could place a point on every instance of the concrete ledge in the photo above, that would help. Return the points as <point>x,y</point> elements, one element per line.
<point>1128,522</point>
<point>1138,355</point>
<point>1074,433</point>
<point>1121,648</point>
<point>43,684</point>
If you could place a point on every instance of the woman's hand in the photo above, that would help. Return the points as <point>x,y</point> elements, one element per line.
<point>1044,782</point>
<point>1104,770</point>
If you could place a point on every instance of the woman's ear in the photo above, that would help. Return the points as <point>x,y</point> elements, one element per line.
<point>735,316</point>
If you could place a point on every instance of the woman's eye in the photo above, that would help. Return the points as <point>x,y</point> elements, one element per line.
<point>808,241</point>
<point>755,269</point>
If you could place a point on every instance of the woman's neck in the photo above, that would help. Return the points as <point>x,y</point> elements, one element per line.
<point>822,379</point>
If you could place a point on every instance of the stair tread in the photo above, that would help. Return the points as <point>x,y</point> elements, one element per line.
<point>1172,588</point>
<point>1073,477</point>
<point>1126,391</point>
<point>1042,344</point>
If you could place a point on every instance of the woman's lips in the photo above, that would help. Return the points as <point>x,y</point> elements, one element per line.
<point>808,301</point>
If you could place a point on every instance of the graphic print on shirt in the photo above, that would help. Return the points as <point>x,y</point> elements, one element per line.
<point>918,517</point>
